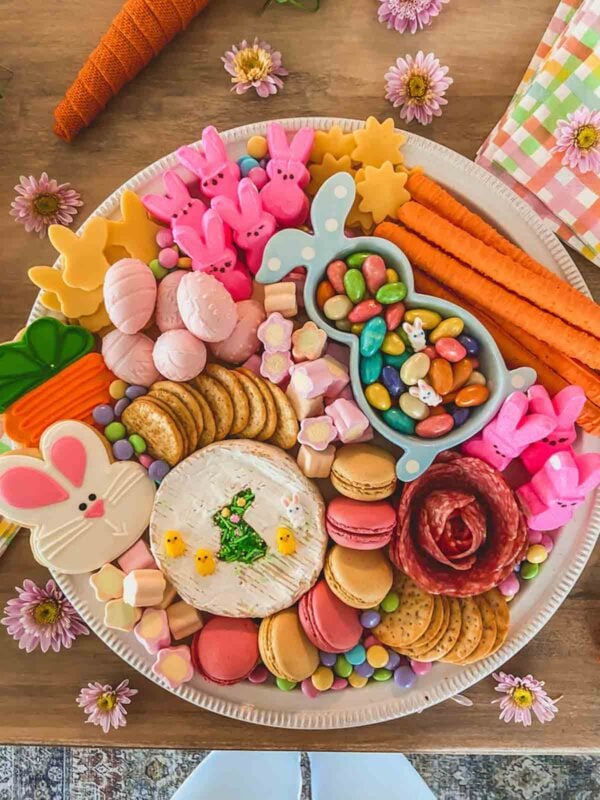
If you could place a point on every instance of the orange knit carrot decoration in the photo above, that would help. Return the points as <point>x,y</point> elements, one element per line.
<point>137,34</point>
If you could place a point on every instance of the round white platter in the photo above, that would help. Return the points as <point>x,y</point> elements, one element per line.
<point>535,603</point>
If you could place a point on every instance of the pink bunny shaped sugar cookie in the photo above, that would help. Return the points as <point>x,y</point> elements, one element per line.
<point>218,174</point>
<point>558,488</point>
<point>283,196</point>
<point>211,252</point>
<point>509,433</point>
<point>176,207</point>
<point>563,408</point>
<point>252,225</point>
<point>83,510</point>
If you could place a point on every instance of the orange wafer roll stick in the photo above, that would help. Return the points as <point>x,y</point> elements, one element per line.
<point>137,34</point>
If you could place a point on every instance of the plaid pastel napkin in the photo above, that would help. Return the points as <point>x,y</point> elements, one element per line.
<point>562,78</point>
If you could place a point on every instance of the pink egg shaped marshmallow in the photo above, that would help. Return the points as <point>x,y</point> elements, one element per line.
<point>129,294</point>
<point>167,313</point>
<point>243,341</point>
<point>179,356</point>
<point>129,357</point>
<point>206,307</point>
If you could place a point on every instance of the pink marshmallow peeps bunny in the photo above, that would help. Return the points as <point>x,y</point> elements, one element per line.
<point>509,433</point>
<point>176,207</point>
<point>211,252</point>
<point>563,408</point>
<point>282,196</point>
<point>252,225</point>
<point>218,174</point>
<point>554,492</point>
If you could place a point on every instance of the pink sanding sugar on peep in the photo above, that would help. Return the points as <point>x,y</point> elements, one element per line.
<point>350,422</point>
<point>275,333</point>
<point>317,432</point>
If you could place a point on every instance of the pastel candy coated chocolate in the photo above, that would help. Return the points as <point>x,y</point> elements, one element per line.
<point>435,426</point>
<point>370,368</point>
<point>243,341</point>
<point>429,319</point>
<point>354,285</point>
<point>167,313</point>
<point>372,336</point>
<point>144,587</point>
<point>451,326</point>
<point>174,665</point>
<point>153,630</point>
<point>416,367</point>
<point>470,396</point>
<point>179,355</point>
<point>441,375</point>
<point>335,275</point>
<point>373,269</point>
<point>450,349</point>
<point>365,310</point>
<point>129,294</point>
<point>393,315</point>
<point>129,357</point>
<point>413,407</point>
<point>206,307</point>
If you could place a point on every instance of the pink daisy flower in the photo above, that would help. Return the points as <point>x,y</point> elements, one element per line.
<point>42,202</point>
<point>417,86</point>
<point>578,137</point>
<point>42,617</point>
<point>104,705</point>
<point>522,696</point>
<point>254,65</point>
<point>409,15</point>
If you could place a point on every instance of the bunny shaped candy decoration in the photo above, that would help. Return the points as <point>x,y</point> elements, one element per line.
<point>83,510</point>
<point>283,195</point>
<point>291,248</point>
<point>563,408</point>
<point>416,334</point>
<point>252,225</point>
<point>425,393</point>
<point>176,207</point>
<point>211,252</point>
<point>554,492</point>
<point>509,433</point>
<point>218,174</point>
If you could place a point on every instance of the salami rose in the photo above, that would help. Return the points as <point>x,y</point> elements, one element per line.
<point>460,530</point>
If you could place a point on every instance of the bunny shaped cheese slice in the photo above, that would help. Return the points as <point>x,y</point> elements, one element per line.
<point>83,510</point>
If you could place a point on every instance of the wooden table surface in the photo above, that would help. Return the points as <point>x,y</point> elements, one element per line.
<point>337,59</point>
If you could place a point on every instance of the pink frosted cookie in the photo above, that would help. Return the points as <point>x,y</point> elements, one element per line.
<point>129,357</point>
<point>129,294</point>
<point>206,307</point>
<point>350,422</point>
<point>179,356</point>
<point>317,432</point>
<point>153,630</point>
<point>275,367</point>
<point>174,665</point>
<point>276,333</point>
<point>243,342</point>
<point>137,557</point>
<point>168,317</point>
<point>308,342</point>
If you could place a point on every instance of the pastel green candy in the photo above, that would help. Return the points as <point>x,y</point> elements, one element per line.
<point>529,570</point>
<point>370,368</point>
<point>138,444</point>
<point>396,361</point>
<point>355,285</point>
<point>357,259</point>
<point>115,431</point>
<point>372,336</point>
<point>404,336</point>
<point>158,271</point>
<point>390,602</point>
<point>382,674</point>
<point>285,686</point>
<point>391,293</point>
<point>342,667</point>
<point>398,420</point>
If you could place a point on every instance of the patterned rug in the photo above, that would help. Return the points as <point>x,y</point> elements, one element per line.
<point>56,773</point>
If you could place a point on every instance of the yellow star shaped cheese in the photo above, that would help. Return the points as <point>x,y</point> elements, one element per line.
<point>333,142</point>
<point>135,232</point>
<point>319,173</point>
<point>377,143</point>
<point>382,191</point>
<point>356,218</point>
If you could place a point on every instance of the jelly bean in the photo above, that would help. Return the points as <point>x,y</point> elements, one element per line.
<point>440,375</point>
<point>476,379</point>
<point>357,259</point>
<point>470,396</point>
<point>434,426</point>
<point>413,407</point>
<point>394,661</point>
<point>529,570</point>
<point>339,684</point>
<point>421,667</point>
<point>436,411</point>
<point>391,276</point>
<point>364,669</point>
<point>115,431</point>
<point>429,319</point>
<point>362,312</point>
<point>257,147</point>
<point>370,619</point>
<point>450,349</point>
<point>373,269</point>
<point>372,336</point>
<point>103,414</point>
<point>470,344</point>
<point>322,679</point>
<point>357,655</point>
<point>404,677</point>
<point>325,292</point>
<point>343,325</point>
<point>135,391</point>
<point>390,602</point>
<point>122,450</point>
<point>396,361</point>
<point>370,368</point>
<point>510,586</point>
<point>534,537</point>
<point>415,368</point>
<point>393,344</point>
<point>537,554</point>
<point>399,421</point>
<point>327,659</point>
<point>357,681</point>
<point>391,293</point>
<point>404,336</point>
<point>117,389</point>
<point>337,307</point>
<point>158,470</point>
<point>430,351</point>
<point>342,668</point>
<point>354,285</point>
<point>460,415</point>
<point>393,315</point>
<point>377,656</point>
<point>382,674</point>
<point>121,405</point>
<point>391,380</point>
<point>285,685</point>
<point>461,372</point>
<point>356,327</point>
<point>335,274</point>
<point>378,396</point>
<point>452,327</point>
<point>138,444</point>
<point>548,543</point>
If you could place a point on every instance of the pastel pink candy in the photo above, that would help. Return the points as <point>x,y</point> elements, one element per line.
<point>206,307</point>
<point>167,313</point>
<point>129,357</point>
<point>179,355</point>
<point>350,422</point>
<point>310,378</point>
<point>243,342</point>
<point>153,630</point>
<point>129,294</point>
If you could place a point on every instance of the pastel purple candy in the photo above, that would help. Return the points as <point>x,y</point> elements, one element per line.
<point>122,450</point>
<point>103,414</point>
<point>370,619</point>
<point>404,677</point>
<point>460,415</point>
<point>470,344</point>
<point>121,405</point>
<point>135,391</point>
<point>391,380</point>
<point>393,661</point>
<point>158,470</point>
<point>327,659</point>
<point>364,669</point>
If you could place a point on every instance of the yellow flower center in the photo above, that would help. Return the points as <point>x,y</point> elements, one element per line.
<point>587,137</point>
<point>46,613</point>
<point>46,204</point>
<point>107,701</point>
<point>523,697</point>
<point>418,86</point>
<point>252,64</point>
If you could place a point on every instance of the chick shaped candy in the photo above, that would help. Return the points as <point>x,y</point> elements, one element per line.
<point>205,562</point>
<point>286,543</point>
<point>174,544</point>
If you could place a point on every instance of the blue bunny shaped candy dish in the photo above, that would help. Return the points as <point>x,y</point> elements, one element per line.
<point>391,363</point>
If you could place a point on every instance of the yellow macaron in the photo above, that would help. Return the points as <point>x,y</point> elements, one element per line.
<point>360,578</point>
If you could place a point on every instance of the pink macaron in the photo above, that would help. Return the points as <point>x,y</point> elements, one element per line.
<point>330,625</point>
<point>360,525</point>
<point>225,651</point>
